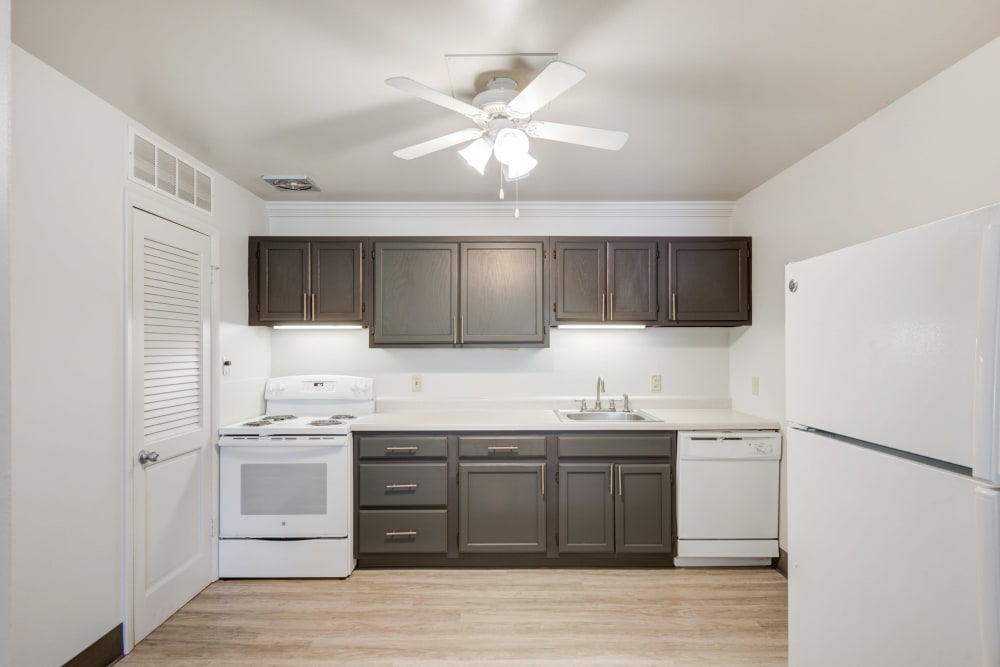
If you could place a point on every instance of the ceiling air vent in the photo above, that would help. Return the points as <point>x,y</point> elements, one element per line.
<point>159,167</point>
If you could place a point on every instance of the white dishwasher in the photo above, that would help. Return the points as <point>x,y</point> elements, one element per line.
<point>727,497</point>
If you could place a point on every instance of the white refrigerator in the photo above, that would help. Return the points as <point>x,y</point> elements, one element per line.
<point>892,352</point>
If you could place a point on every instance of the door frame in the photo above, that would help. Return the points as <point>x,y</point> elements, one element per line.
<point>137,196</point>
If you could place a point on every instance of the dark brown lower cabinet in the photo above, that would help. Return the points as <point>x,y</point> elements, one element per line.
<point>615,494</point>
<point>501,507</point>
<point>514,499</point>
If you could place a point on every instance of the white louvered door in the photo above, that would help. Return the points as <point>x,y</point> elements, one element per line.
<point>171,420</point>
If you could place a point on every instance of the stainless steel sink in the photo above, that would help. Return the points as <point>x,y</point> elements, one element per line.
<point>606,417</point>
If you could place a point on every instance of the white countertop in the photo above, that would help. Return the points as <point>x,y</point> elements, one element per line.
<point>673,419</point>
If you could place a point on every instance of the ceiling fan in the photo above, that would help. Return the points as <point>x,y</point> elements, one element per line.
<point>502,115</point>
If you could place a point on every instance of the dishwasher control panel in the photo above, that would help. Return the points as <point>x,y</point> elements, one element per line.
<point>707,445</point>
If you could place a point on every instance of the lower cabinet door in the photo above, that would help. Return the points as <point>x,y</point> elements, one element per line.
<point>501,507</point>
<point>643,508</point>
<point>402,531</point>
<point>586,508</point>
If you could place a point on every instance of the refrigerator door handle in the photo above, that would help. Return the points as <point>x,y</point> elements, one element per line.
<point>985,411</point>
<point>988,524</point>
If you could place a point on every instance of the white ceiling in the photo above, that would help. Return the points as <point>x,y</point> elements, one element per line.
<point>717,95</point>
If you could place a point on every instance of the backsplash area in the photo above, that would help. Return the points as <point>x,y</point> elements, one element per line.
<point>691,362</point>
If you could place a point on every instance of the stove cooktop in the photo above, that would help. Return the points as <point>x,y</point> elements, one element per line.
<point>290,425</point>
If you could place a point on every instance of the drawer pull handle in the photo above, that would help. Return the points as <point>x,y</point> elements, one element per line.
<point>396,487</point>
<point>398,450</point>
<point>401,533</point>
<point>502,448</point>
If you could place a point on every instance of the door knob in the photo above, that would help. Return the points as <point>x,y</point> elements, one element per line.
<point>148,457</point>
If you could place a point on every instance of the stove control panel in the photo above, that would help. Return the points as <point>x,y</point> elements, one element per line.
<point>319,387</point>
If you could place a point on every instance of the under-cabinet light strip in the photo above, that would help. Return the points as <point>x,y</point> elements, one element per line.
<point>318,326</point>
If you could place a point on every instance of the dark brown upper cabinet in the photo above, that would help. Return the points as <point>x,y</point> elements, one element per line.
<point>416,293</point>
<point>503,293</point>
<point>605,281</point>
<point>459,293</point>
<point>707,282</point>
<point>295,281</point>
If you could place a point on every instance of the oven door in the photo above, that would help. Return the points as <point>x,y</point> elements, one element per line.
<point>285,490</point>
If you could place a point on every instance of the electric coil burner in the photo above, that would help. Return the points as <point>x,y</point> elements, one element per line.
<point>285,480</point>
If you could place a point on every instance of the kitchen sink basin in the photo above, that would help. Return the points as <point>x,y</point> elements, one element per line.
<point>605,417</point>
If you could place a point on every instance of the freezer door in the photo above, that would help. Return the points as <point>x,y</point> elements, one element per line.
<point>890,560</point>
<point>882,341</point>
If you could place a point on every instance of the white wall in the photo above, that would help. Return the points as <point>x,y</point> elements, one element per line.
<point>5,469</point>
<point>68,176</point>
<point>693,362</point>
<point>933,153</point>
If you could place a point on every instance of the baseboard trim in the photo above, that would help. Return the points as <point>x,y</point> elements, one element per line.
<point>103,652</point>
<point>782,564</point>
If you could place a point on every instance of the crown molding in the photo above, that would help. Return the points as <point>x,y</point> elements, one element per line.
<point>498,209</point>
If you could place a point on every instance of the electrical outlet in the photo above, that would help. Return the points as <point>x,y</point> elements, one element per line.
<point>656,382</point>
<point>755,385</point>
<point>417,383</point>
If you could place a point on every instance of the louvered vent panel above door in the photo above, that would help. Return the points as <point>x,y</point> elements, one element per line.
<point>173,363</point>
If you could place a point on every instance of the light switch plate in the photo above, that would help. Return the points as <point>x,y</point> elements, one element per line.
<point>656,382</point>
<point>417,383</point>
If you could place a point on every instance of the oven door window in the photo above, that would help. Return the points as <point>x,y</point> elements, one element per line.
<point>284,491</point>
<point>283,488</point>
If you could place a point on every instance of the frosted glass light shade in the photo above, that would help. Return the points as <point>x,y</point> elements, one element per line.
<point>510,144</point>
<point>520,167</point>
<point>477,154</point>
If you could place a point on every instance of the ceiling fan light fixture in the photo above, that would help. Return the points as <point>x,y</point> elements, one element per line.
<point>520,167</point>
<point>477,154</point>
<point>510,145</point>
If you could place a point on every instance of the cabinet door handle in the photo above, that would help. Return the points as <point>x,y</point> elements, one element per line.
<point>454,331</point>
<point>314,307</point>
<point>397,487</point>
<point>611,479</point>
<point>401,533</point>
<point>611,306</point>
<point>543,480</point>
<point>461,328</point>
<point>673,305</point>
<point>602,306</point>
<point>502,448</point>
<point>305,306</point>
<point>619,480</point>
<point>398,450</point>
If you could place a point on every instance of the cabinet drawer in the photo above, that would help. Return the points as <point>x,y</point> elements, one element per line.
<point>403,531</point>
<point>513,446</point>
<point>403,447</point>
<point>386,484</point>
<point>612,446</point>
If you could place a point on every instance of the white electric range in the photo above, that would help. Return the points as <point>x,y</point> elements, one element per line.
<point>285,480</point>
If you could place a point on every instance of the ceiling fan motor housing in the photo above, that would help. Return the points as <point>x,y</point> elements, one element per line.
<point>498,94</point>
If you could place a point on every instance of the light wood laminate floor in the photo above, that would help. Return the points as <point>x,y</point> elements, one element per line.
<point>668,617</point>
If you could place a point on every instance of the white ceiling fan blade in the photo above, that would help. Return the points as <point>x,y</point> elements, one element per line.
<point>447,141</point>
<point>418,89</point>
<point>610,140</point>
<point>553,81</point>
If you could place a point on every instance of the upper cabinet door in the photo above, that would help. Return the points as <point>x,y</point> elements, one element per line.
<point>282,282</point>
<point>709,281</point>
<point>581,281</point>
<point>337,294</point>
<point>416,293</point>
<point>502,293</point>
<point>632,281</point>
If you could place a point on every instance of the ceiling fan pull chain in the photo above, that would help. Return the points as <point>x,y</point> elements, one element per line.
<point>501,182</point>
<point>517,200</point>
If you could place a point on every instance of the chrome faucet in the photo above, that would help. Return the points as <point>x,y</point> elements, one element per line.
<point>627,408</point>
<point>600,388</point>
